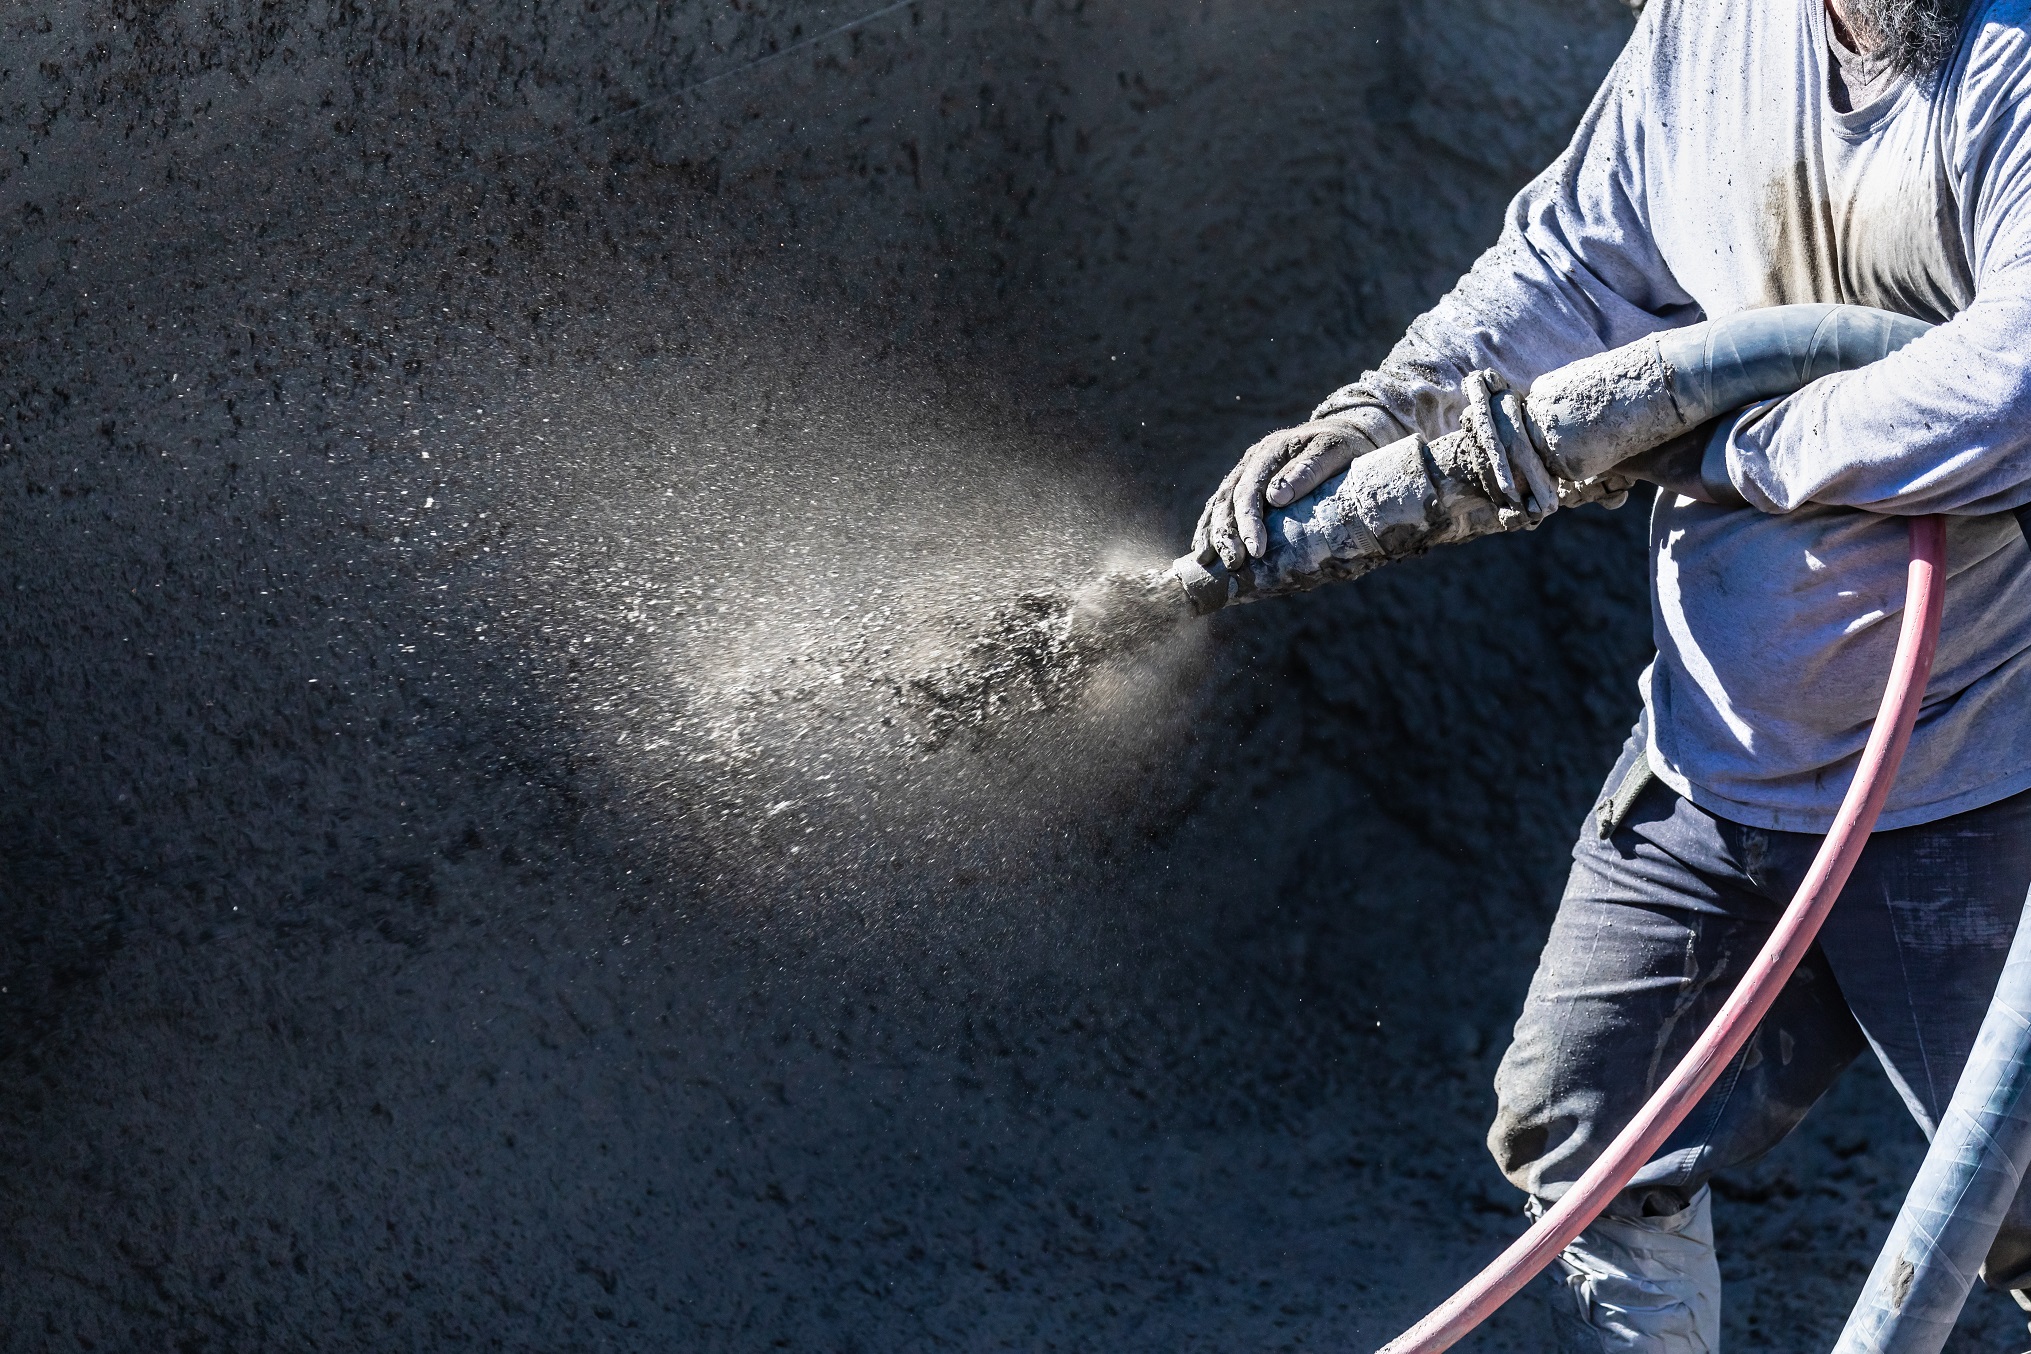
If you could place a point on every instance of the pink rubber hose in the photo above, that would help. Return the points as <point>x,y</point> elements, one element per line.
<point>1916,641</point>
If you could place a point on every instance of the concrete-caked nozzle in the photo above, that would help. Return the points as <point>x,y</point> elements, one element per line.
<point>1384,506</point>
<point>1204,579</point>
<point>1577,425</point>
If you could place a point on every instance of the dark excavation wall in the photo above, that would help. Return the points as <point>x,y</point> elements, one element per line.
<point>418,929</point>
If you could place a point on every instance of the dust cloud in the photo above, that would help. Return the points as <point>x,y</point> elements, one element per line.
<point>803,620</point>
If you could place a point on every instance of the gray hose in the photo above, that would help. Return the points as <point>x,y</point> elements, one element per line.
<point>1754,354</point>
<point>1740,363</point>
<point>1584,420</point>
<point>1970,1176</point>
<point>1598,412</point>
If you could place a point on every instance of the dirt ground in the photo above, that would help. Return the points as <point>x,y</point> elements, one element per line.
<point>426,429</point>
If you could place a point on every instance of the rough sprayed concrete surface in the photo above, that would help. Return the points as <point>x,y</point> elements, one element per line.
<point>355,997</point>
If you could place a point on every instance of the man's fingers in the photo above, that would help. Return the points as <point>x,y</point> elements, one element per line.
<point>1274,473</point>
<point>1225,542</point>
<point>1220,529</point>
<point>1248,520</point>
<point>1261,462</point>
<point>1216,526</point>
<point>1326,456</point>
<point>1219,537</point>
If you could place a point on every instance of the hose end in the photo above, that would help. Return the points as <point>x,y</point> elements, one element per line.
<point>1208,587</point>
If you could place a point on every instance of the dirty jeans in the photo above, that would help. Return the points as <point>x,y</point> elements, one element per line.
<point>1658,921</point>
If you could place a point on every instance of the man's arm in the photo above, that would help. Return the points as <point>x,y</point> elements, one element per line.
<point>1944,425</point>
<point>1574,273</point>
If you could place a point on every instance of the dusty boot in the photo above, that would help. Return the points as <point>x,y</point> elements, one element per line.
<point>2023,1298</point>
<point>1641,1285</point>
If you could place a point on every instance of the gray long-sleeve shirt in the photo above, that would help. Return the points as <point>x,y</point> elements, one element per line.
<point>1711,174</point>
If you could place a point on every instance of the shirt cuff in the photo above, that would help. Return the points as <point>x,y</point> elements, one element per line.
<point>1717,476</point>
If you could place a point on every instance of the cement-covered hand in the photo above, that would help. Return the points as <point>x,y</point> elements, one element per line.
<point>1284,467</point>
<point>1274,473</point>
<point>1500,471</point>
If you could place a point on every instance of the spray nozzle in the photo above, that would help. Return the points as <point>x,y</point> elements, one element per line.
<point>1323,537</point>
<point>1207,583</point>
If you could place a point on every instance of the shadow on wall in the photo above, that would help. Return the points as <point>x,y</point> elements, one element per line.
<point>377,380</point>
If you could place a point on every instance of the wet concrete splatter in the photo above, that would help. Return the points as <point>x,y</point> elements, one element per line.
<point>1041,652</point>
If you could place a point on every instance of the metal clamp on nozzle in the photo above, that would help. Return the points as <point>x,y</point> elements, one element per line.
<point>1208,586</point>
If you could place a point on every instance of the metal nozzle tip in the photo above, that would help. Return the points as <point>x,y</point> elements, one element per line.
<point>1205,590</point>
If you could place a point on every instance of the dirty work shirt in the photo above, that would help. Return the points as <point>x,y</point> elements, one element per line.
<point>1712,174</point>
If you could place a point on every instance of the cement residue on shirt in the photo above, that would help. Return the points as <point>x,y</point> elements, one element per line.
<point>1713,176</point>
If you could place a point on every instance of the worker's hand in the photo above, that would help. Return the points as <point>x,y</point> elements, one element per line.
<point>1274,473</point>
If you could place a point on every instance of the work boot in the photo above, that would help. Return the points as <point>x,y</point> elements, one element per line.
<point>1640,1281</point>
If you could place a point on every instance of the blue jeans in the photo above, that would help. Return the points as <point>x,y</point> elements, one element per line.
<point>1659,919</point>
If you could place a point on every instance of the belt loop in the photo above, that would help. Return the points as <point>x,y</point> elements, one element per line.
<point>1610,812</point>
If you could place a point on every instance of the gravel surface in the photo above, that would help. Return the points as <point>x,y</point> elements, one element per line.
<point>457,891</point>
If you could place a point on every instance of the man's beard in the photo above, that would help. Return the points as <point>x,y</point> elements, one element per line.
<point>1912,37</point>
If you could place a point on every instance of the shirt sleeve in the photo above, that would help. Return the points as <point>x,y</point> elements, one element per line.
<point>1944,424</point>
<point>1575,271</point>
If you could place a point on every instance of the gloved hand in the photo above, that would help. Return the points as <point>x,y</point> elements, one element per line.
<point>1388,502</point>
<point>1275,473</point>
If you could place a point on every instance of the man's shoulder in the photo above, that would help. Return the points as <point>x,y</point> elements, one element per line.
<point>1998,32</point>
<point>1690,35</point>
<point>2004,14</point>
<point>1993,83</point>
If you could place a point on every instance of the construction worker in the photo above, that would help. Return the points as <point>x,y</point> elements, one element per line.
<point>1748,153</point>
